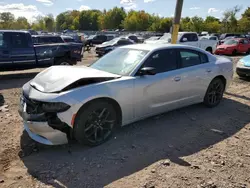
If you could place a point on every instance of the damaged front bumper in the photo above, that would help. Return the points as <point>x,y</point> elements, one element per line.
<point>45,128</point>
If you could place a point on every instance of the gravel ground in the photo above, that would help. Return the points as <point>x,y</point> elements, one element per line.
<point>190,147</point>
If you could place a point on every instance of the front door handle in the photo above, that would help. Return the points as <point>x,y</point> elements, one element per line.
<point>177,79</point>
<point>208,70</point>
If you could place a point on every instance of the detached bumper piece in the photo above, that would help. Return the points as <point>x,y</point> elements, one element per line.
<point>243,71</point>
<point>45,128</point>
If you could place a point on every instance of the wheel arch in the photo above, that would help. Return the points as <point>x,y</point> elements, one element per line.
<point>114,103</point>
<point>224,80</point>
<point>209,49</point>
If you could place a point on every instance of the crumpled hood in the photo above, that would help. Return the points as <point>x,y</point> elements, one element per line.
<point>56,78</point>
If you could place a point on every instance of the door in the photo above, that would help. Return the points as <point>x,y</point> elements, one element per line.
<point>4,49</point>
<point>22,50</point>
<point>196,72</point>
<point>160,92</point>
<point>241,46</point>
<point>190,39</point>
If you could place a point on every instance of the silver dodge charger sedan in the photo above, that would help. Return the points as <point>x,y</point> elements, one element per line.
<point>130,83</point>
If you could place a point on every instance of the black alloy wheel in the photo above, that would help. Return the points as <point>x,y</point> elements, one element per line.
<point>214,93</point>
<point>94,124</point>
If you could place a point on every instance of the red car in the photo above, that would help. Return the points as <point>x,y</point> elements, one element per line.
<point>233,46</point>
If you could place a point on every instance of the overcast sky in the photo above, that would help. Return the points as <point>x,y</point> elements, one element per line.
<point>31,8</point>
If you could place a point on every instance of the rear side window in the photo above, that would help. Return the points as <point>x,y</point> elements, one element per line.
<point>19,40</point>
<point>162,60</point>
<point>191,58</point>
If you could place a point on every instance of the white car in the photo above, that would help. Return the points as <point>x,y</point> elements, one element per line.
<point>128,84</point>
<point>187,38</point>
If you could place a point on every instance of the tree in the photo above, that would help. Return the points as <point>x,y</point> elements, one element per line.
<point>39,24</point>
<point>49,22</point>
<point>244,22</point>
<point>21,23</point>
<point>229,19</point>
<point>112,19</point>
<point>197,24</point>
<point>137,21</point>
<point>212,24</point>
<point>7,19</point>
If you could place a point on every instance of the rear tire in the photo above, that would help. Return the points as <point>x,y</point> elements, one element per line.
<point>95,123</point>
<point>210,50</point>
<point>234,53</point>
<point>248,52</point>
<point>63,61</point>
<point>214,93</point>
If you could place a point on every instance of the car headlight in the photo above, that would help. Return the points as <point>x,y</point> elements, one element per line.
<point>240,64</point>
<point>55,107</point>
<point>110,48</point>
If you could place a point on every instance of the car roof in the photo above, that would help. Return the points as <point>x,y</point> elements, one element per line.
<point>45,36</point>
<point>14,31</point>
<point>151,47</point>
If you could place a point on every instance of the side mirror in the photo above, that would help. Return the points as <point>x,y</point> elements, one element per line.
<point>184,40</point>
<point>147,71</point>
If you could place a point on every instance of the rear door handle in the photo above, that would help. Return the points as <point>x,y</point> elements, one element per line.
<point>177,79</point>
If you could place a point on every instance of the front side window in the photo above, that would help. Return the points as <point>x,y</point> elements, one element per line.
<point>162,60</point>
<point>18,40</point>
<point>189,58</point>
<point>3,40</point>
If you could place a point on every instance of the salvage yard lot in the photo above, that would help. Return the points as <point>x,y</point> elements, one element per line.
<point>190,147</point>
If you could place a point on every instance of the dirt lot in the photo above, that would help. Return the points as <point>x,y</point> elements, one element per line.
<point>191,147</point>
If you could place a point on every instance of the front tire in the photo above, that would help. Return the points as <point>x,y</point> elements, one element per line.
<point>214,93</point>
<point>234,53</point>
<point>95,123</point>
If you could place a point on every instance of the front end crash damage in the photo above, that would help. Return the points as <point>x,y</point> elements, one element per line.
<point>46,107</point>
<point>42,123</point>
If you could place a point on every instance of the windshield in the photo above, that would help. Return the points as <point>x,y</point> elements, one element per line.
<point>121,61</point>
<point>231,42</point>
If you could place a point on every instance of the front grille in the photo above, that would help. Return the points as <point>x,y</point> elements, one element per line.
<point>220,48</point>
<point>32,106</point>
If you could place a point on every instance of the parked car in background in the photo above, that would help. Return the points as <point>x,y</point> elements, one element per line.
<point>209,38</point>
<point>107,47</point>
<point>98,39</point>
<point>188,38</point>
<point>233,46</point>
<point>17,50</point>
<point>243,67</point>
<point>152,38</point>
<point>232,37</point>
<point>46,39</point>
<point>225,35</point>
<point>128,84</point>
<point>67,38</point>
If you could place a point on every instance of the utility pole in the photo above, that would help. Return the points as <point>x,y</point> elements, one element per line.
<point>176,21</point>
